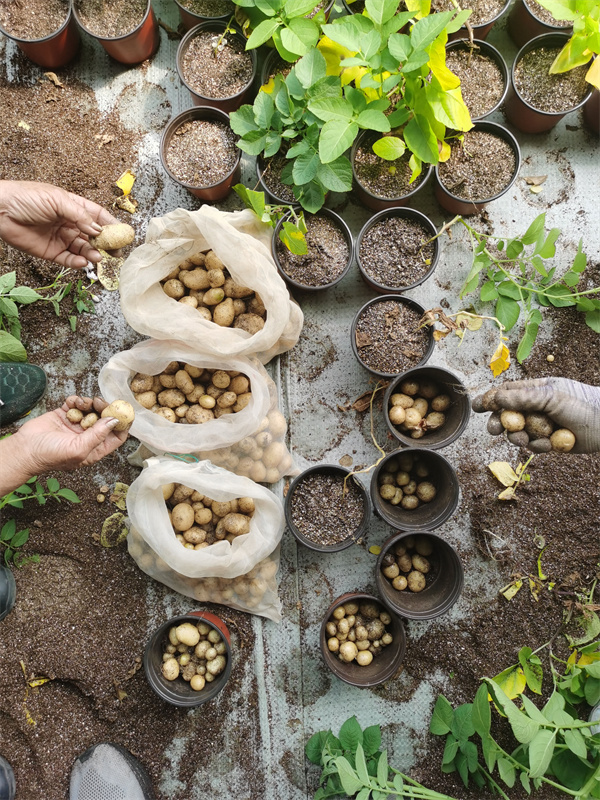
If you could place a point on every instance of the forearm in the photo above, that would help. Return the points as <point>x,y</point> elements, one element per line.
<point>16,464</point>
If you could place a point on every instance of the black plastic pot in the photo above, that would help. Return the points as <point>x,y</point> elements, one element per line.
<point>428,515</point>
<point>457,416</point>
<point>56,49</point>
<point>340,224</point>
<point>327,469</point>
<point>519,112</point>
<point>591,112</point>
<point>226,104</point>
<point>383,299</point>
<point>375,202</point>
<point>404,213</point>
<point>261,167</point>
<point>133,47</point>
<point>482,30</point>
<point>384,667</point>
<point>459,205</point>
<point>190,19</point>
<point>178,692</point>
<point>435,599</point>
<point>217,191</point>
<point>8,591</point>
<point>489,51</point>
<point>523,24</point>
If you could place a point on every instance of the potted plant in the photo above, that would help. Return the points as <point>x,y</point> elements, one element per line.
<point>48,37</point>
<point>126,29</point>
<point>193,12</point>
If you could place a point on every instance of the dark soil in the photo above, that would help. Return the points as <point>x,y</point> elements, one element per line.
<point>209,8</point>
<point>386,179</point>
<point>327,256</point>
<point>271,176</point>
<point>216,67</point>
<point>481,80</point>
<point>325,510</point>
<point>483,10</point>
<point>393,252</point>
<point>111,18</point>
<point>202,152</point>
<point>545,92</point>
<point>32,19</point>
<point>388,339</point>
<point>545,16</point>
<point>479,168</point>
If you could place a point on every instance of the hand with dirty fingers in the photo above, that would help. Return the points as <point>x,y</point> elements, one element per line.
<point>48,222</point>
<point>567,403</point>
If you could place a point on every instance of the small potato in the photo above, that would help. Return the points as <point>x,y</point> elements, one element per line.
<point>146,399</point>
<point>167,490</point>
<point>410,488</point>
<point>413,418</point>
<point>391,572</point>
<point>518,438</point>
<point>428,389</point>
<point>89,420</point>
<point>400,583</point>
<point>237,524</point>
<point>538,425</point>
<point>333,644</point>
<point>409,387</point>
<point>397,415</point>
<point>174,288</point>
<point>184,382</point>
<point>251,323</point>
<point>224,313</point>
<point>364,658</point>
<point>562,440</point>
<point>212,261</point>
<point>409,502</point>
<point>440,403</point>
<point>113,236</point>
<point>213,297</point>
<point>242,401</point>
<point>197,683</point>
<point>542,445</point>
<point>494,424</point>
<point>74,415</point>
<point>187,633</point>
<point>196,415</point>
<point>404,562</point>
<point>512,420</point>
<point>216,277</point>
<point>235,290</point>
<point>182,517</point>
<point>402,400</point>
<point>426,491</point>
<point>141,383</point>
<point>186,300</point>
<point>348,652</point>
<point>166,413</point>
<point>421,405</point>
<point>420,563</point>
<point>416,581</point>
<point>435,420</point>
<point>170,669</point>
<point>196,279</point>
<point>387,491</point>
<point>227,400</point>
<point>171,398</point>
<point>273,454</point>
<point>181,493</point>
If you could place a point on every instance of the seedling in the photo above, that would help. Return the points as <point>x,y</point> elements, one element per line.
<point>292,229</point>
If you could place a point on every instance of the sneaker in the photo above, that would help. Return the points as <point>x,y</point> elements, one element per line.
<point>7,597</point>
<point>109,772</point>
<point>21,387</point>
<point>7,780</point>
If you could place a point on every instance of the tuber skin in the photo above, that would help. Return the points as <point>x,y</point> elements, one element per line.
<point>121,410</point>
<point>113,237</point>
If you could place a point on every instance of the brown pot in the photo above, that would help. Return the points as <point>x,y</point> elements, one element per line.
<point>190,19</point>
<point>482,30</point>
<point>523,25</point>
<point>54,50</point>
<point>485,49</point>
<point>133,47</point>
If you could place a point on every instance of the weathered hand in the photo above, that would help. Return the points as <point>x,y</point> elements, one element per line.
<point>570,404</point>
<point>48,222</point>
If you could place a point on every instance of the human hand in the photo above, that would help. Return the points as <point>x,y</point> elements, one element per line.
<point>48,222</point>
<point>569,404</point>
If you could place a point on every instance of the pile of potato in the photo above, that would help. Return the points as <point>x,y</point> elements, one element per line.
<point>418,408</point>
<point>199,521</point>
<point>203,282</point>
<point>407,564</point>
<point>358,632</point>
<point>191,395</point>
<point>535,430</point>
<point>195,652</point>
<point>402,482</point>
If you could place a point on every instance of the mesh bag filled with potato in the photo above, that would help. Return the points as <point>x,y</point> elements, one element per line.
<point>207,534</point>
<point>208,277</point>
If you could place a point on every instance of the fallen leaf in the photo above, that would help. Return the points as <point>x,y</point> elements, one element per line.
<point>114,530</point>
<point>510,591</point>
<point>535,189</point>
<point>52,76</point>
<point>346,461</point>
<point>109,271</point>
<point>438,335</point>
<point>375,549</point>
<point>24,125</point>
<point>503,471</point>
<point>507,494</point>
<point>363,339</point>
<point>127,204</point>
<point>119,496</point>
<point>500,361</point>
<point>535,180</point>
<point>126,181</point>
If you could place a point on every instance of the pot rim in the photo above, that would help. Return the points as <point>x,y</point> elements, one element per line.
<point>111,38</point>
<point>196,112</point>
<point>201,17</point>
<point>341,223</point>
<point>208,25</point>
<point>398,211</point>
<point>502,132</point>
<point>493,20</point>
<point>556,28</point>
<point>492,52</point>
<point>48,37</point>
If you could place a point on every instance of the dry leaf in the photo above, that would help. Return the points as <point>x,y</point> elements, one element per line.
<point>119,496</point>
<point>126,181</point>
<point>52,76</point>
<point>114,530</point>
<point>109,271</point>
<point>438,335</point>
<point>510,591</point>
<point>503,471</point>
<point>500,361</point>
<point>535,180</point>
<point>346,461</point>
<point>466,321</point>
<point>507,494</point>
<point>375,549</point>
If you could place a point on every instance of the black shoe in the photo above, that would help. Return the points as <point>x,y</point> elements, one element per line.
<point>21,387</point>
<point>109,771</point>
<point>7,780</point>
<point>7,600</point>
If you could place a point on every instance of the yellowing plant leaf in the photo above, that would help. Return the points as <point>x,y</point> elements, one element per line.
<point>420,7</point>
<point>375,549</point>
<point>437,64</point>
<point>472,323</point>
<point>126,181</point>
<point>507,494</point>
<point>439,335</point>
<point>445,151</point>
<point>510,591</point>
<point>500,361</point>
<point>593,74</point>
<point>512,681</point>
<point>586,658</point>
<point>38,682</point>
<point>333,53</point>
<point>114,530</point>
<point>504,472</point>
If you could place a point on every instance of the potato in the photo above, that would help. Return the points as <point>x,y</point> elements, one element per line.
<point>251,323</point>
<point>494,424</point>
<point>562,440</point>
<point>141,383</point>
<point>196,279</point>
<point>440,403</point>
<point>400,583</point>
<point>121,410</point>
<point>426,491</point>
<point>421,405</point>
<point>420,563</point>
<point>196,415</point>
<point>174,288</point>
<point>397,415</point>
<point>167,490</point>
<point>412,418</point>
<point>183,381</point>
<point>216,277</point>
<point>235,290</point>
<point>416,581</point>
<point>113,237</point>
<point>171,398</point>
<point>518,438</point>
<point>409,387</point>
<point>237,524</point>
<point>402,400</point>
<point>74,415</point>
<point>541,445</point>
<point>224,313</point>
<point>182,517</point>
<point>512,420</point>
<point>213,297</point>
<point>146,399</point>
<point>538,425</point>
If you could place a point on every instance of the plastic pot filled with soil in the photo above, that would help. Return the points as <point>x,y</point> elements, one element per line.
<point>268,172</point>
<point>214,65</point>
<point>329,257</point>
<point>483,75</point>
<point>394,251</point>
<point>126,29</point>
<point>198,150</point>
<point>381,184</point>
<point>536,100</point>
<point>414,489</point>
<point>480,169</point>
<point>193,12</point>
<point>386,336</point>
<point>529,19</point>
<point>486,14</point>
<point>427,405</point>
<point>374,652</point>
<point>325,509</point>
<point>196,678</point>
<point>419,576</point>
<point>46,30</point>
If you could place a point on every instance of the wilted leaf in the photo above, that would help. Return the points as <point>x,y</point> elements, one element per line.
<point>126,181</point>
<point>500,361</point>
<point>535,180</point>
<point>119,496</point>
<point>510,591</point>
<point>38,682</point>
<point>466,321</point>
<point>52,76</point>
<point>114,530</point>
<point>507,494</point>
<point>504,472</point>
<point>375,549</point>
<point>511,681</point>
<point>438,335</point>
<point>346,461</point>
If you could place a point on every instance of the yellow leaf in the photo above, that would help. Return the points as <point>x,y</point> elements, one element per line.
<point>500,360</point>
<point>504,472</point>
<point>375,549</point>
<point>534,588</point>
<point>38,682</point>
<point>507,494</point>
<point>572,658</point>
<point>510,591</point>
<point>52,76</point>
<point>587,658</point>
<point>445,151</point>
<point>126,181</point>
<point>438,335</point>
<point>24,125</point>
<point>472,323</point>
<point>420,7</point>
<point>437,63</point>
<point>593,74</point>
<point>333,53</point>
<point>512,681</point>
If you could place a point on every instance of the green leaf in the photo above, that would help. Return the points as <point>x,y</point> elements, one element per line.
<point>559,296</point>
<point>535,230</point>
<point>523,728</point>
<point>20,538</point>
<point>427,29</point>
<point>538,265</point>
<point>570,770</point>
<point>252,199</point>
<point>364,794</point>
<point>8,281</point>
<point>299,8</point>
<point>514,248</point>
<point>69,494</point>
<point>482,716</point>
<point>507,311</point>
<point>242,121</point>
<point>311,68</point>
<point>310,196</point>
<point>532,666</point>
<point>253,142</point>
<point>337,175</point>
<point>350,782</point>
<point>592,689</point>
<point>462,722</point>
<point>300,35</point>
<point>398,782</point>
<point>350,734</point>
<point>592,320</point>
<point>509,289</point>
<point>382,768</point>
<point>345,32</point>
<point>541,750</point>
<point>470,752</point>
<point>8,530</point>
<point>450,750</point>
<point>263,109</point>
<point>420,138</point>
<point>400,46</point>
<point>305,168</point>
<point>11,349</point>
<point>24,295</point>
<point>53,485</point>
<point>331,108</point>
<point>555,703</point>
<point>371,739</point>
<point>381,11</point>
<point>361,764</point>
<point>8,307</point>
<point>389,148</point>
<point>488,292</point>
<point>373,120</point>
<point>462,767</point>
<point>490,752</point>
<point>441,719</point>
<point>336,137</point>
<point>293,239</point>
<point>525,783</point>
<point>576,743</point>
<point>314,746</point>
<point>533,711</point>
<point>548,249</point>
<point>507,772</point>
<point>262,33</point>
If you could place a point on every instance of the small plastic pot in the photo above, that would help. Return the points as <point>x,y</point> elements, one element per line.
<point>457,416</point>
<point>485,49</point>
<point>428,515</point>
<point>405,213</point>
<point>133,47</point>
<point>190,19</point>
<point>519,112</point>
<point>375,202</point>
<point>459,205</point>
<point>523,24</point>
<point>327,469</point>
<point>8,591</point>
<point>383,299</point>
<point>217,191</point>
<point>591,112</point>
<point>384,667</point>
<point>439,596</point>
<point>178,692</point>
<point>482,30</point>
<point>340,224</point>
<point>54,50</point>
<point>226,104</point>
<point>260,168</point>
